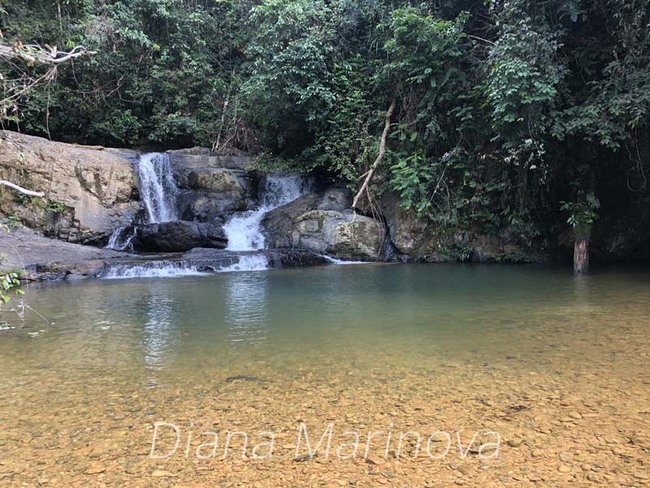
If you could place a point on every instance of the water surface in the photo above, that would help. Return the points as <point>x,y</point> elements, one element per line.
<point>558,362</point>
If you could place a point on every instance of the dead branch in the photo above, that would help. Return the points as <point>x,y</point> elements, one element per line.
<point>21,189</point>
<point>380,155</point>
<point>36,54</point>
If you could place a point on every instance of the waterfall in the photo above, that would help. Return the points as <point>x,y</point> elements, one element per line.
<point>121,238</point>
<point>244,230</point>
<point>158,190</point>
<point>173,269</point>
<point>158,193</point>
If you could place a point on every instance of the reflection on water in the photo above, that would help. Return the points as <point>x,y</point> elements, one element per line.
<point>159,329</point>
<point>373,315</point>
<point>246,313</point>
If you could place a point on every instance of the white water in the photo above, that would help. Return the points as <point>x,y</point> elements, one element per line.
<point>332,260</point>
<point>244,231</point>
<point>120,239</point>
<point>158,193</point>
<point>154,269</point>
<point>158,190</point>
<point>174,269</point>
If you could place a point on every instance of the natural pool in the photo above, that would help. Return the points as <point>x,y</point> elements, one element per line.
<point>549,373</point>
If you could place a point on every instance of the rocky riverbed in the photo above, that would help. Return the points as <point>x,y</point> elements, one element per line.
<point>557,426</point>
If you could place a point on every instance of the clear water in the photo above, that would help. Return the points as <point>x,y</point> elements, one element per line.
<point>511,349</point>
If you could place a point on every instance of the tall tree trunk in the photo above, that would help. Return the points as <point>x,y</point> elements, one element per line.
<point>581,255</point>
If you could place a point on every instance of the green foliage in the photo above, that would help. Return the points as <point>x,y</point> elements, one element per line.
<point>48,204</point>
<point>412,179</point>
<point>582,213</point>
<point>9,284</point>
<point>11,222</point>
<point>503,108</point>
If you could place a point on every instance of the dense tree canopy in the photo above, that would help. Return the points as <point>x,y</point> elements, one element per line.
<point>509,114</point>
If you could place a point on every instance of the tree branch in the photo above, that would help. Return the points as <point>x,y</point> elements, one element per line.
<point>21,189</point>
<point>380,155</point>
<point>36,54</point>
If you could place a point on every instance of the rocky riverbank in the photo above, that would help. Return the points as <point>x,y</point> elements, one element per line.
<point>41,258</point>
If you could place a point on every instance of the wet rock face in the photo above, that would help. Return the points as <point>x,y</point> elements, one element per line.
<point>179,236</point>
<point>410,236</point>
<point>324,224</point>
<point>89,190</point>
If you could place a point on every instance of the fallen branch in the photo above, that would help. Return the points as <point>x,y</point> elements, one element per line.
<point>21,189</point>
<point>380,155</point>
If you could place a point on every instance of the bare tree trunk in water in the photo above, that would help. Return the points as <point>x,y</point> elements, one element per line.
<point>581,255</point>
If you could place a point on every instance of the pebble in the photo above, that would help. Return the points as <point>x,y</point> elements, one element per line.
<point>95,468</point>
<point>159,473</point>
<point>116,446</point>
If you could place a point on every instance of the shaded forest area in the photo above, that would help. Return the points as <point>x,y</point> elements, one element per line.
<point>520,118</point>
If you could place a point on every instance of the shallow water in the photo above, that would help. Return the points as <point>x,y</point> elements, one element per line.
<point>557,366</point>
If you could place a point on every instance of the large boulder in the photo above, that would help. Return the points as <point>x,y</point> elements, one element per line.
<point>88,190</point>
<point>179,236</point>
<point>342,235</point>
<point>323,223</point>
<point>278,224</point>
<point>212,185</point>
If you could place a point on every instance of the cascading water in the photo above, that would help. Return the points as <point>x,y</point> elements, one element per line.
<point>153,269</point>
<point>244,230</point>
<point>158,193</point>
<point>121,238</point>
<point>158,189</point>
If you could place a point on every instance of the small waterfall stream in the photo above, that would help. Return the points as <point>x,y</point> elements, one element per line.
<point>121,238</point>
<point>244,230</point>
<point>158,190</point>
